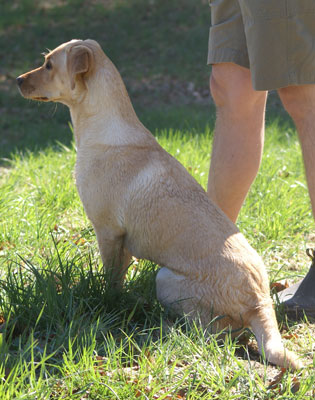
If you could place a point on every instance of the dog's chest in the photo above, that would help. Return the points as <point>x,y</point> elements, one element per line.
<point>94,181</point>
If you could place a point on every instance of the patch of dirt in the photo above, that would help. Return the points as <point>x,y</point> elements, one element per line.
<point>46,5</point>
<point>165,89</point>
<point>6,82</point>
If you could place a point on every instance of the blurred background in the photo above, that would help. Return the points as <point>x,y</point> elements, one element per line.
<point>159,47</point>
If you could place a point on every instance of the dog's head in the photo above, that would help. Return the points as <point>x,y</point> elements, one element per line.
<point>63,75</point>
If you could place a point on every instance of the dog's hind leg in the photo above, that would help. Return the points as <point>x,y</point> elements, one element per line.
<point>183,295</point>
<point>173,292</point>
<point>191,298</point>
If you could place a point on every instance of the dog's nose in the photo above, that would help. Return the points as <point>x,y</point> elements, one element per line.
<point>19,80</point>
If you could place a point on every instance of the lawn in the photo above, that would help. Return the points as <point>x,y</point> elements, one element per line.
<point>65,333</point>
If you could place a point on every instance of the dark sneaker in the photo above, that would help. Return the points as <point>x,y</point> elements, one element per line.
<point>299,299</point>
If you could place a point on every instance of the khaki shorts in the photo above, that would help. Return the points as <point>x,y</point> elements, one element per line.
<point>275,39</point>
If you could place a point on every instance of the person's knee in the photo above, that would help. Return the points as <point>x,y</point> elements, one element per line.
<point>299,101</point>
<point>231,88</point>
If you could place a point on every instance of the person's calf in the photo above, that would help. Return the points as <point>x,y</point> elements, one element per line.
<point>238,137</point>
<point>299,101</point>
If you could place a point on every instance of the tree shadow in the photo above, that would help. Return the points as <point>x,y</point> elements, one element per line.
<point>159,47</point>
<point>156,41</point>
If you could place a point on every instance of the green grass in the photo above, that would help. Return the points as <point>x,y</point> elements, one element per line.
<point>69,335</point>
<point>64,332</point>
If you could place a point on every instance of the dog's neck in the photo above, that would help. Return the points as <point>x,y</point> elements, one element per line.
<point>111,123</point>
<point>110,130</point>
<point>105,114</point>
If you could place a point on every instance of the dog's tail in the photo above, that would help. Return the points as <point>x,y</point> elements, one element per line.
<point>265,328</point>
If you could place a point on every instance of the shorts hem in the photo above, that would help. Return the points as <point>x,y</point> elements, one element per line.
<point>261,86</point>
<point>228,55</point>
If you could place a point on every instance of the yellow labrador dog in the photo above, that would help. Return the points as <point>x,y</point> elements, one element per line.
<point>142,202</point>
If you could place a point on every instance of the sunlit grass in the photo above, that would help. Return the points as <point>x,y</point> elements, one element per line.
<point>68,335</point>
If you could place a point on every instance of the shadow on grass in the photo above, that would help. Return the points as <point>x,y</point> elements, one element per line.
<point>159,48</point>
<point>156,41</point>
<point>65,301</point>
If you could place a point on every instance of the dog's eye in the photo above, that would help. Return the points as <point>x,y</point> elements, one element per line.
<point>48,65</point>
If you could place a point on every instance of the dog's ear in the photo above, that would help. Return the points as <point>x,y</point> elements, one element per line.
<point>79,62</point>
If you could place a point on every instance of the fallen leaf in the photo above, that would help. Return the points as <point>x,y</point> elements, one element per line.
<point>80,241</point>
<point>290,336</point>
<point>276,381</point>
<point>275,384</point>
<point>279,286</point>
<point>296,385</point>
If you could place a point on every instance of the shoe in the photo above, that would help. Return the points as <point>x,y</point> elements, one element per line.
<point>299,299</point>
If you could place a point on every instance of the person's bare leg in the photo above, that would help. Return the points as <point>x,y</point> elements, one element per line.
<point>299,101</point>
<point>238,138</point>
